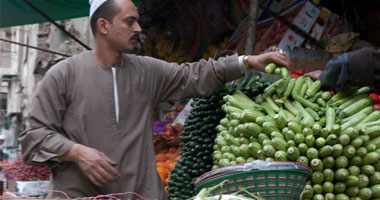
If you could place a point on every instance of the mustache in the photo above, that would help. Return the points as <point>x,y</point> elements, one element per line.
<point>139,37</point>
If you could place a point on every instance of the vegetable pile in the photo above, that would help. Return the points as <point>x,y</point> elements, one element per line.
<point>199,135</point>
<point>166,160</point>
<point>293,120</point>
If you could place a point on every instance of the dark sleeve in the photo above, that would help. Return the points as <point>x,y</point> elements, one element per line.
<point>356,68</point>
<point>45,138</point>
<point>336,74</point>
<point>364,67</point>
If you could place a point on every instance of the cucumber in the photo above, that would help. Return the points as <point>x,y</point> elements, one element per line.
<point>291,143</point>
<point>303,90</point>
<point>306,102</point>
<point>357,142</point>
<point>341,197</point>
<point>373,132</point>
<point>317,177</point>
<point>367,170</point>
<point>371,158</point>
<point>289,135</point>
<point>332,139</point>
<point>339,187</point>
<point>336,129</point>
<point>326,95</point>
<point>330,118</point>
<point>277,71</point>
<point>293,153</point>
<point>307,192</point>
<point>351,132</point>
<point>268,109</point>
<point>272,104</point>
<point>312,153</point>
<point>350,101</point>
<point>298,85</point>
<point>289,87</point>
<point>375,141</point>
<point>314,114</point>
<point>328,187</point>
<point>253,129</point>
<point>310,140</point>
<point>351,181</point>
<point>303,160</point>
<point>371,148</point>
<point>324,132</point>
<point>320,142</point>
<point>361,152</point>
<point>318,189</point>
<point>307,131</point>
<point>316,129</point>
<point>371,117</point>
<point>341,174</point>
<point>354,170</point>
<point>376,190</point>
<point>303,149</point>
<point>356,160</point>
<point>269,150</point>
<point>337,150</point>
<point>313,88</point>
<point>354,108</point>
<point>342,94</point>
<point>363,181</point>
<point>284,73</point>
<point>321,102</point>
<point>352,191</point>
<point>295,127</point>
<point>328,175</point>
<point>275,134</point>
<point>374,178</point>
<point>349,151</point>
<point>280,156</point>
<point>281,87</point>
<point>328,162</point>
<point>268,127</point>
<point>341,162</point>
<point>354,121</point>
<point>329,196</point>
<point>299,138</point>
<point>365,194</point>
<point>250,115</point>
<point>315,97</point>
<point>270,68</point>
<point>325,151</point>
<point>279,144</point>
<point>344,139</point>
<point>316,165</point>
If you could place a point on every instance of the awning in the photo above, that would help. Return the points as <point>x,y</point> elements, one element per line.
<point>16,12</point>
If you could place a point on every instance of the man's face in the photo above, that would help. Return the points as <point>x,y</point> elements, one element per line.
<point>124,29</point>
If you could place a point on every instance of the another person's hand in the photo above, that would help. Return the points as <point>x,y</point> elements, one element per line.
<point>314,74</point>
<point>94,164</point>
<point>259,62</point>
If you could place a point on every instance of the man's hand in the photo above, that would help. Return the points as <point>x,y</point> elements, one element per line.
<point>314,74</point>
<point>97,166</point>
<point>259,62</point>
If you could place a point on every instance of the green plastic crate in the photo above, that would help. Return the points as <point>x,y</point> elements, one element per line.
<point>270,184</point>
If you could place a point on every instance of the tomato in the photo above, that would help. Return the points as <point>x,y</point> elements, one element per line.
<point>300,72</point>
<point>332,92</point>
<point>294,75</point>
<point>375,98</point>
<point>376,106</point>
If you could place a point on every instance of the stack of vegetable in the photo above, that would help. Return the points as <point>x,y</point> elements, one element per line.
<point>293,120</point>
<point>199,135</point>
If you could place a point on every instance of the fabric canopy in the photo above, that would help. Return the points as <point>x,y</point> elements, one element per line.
<point>16,12</point>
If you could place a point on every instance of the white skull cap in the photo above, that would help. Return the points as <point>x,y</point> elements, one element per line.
<point>94,5</point>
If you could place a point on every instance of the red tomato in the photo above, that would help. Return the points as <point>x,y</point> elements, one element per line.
<point>300,72</point>
<point>376,106</point>
<point>294,75</point>
<point>375,98</point>
<point>332,92</point>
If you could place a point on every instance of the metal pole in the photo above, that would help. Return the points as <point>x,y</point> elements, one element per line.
<point>56,24</point>
<point>32,47</point>
<point>251,36</point>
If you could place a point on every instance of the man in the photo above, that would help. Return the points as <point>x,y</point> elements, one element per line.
<point>356,68</point>
<point>90,120</point>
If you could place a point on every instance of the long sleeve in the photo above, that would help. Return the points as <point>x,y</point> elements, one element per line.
<point>173,82</point>
<point>356,68</point>
<point>364,67</point>
<point>45,138</point>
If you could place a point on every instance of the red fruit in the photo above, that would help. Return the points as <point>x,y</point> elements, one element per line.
<point>300,72</point>
<point>294,75</point>
<point>376,106</point>
<point>332,92</point>
<point>375,98</point>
